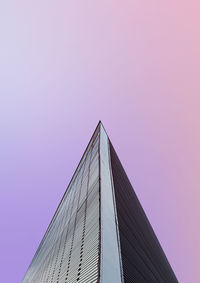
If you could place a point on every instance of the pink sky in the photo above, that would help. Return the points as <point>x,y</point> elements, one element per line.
<point>133,64</point>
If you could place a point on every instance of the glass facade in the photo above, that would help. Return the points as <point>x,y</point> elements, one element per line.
<point>69,251</point>
<point>99,232</point>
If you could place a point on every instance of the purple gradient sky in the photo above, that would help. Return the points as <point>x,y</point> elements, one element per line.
<point>66,64</point>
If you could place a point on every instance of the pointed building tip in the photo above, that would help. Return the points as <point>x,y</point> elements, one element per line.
<point>100,124</point>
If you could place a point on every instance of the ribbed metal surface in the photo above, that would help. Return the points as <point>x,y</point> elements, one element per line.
<point>69,251</point>
<point>143,259</point>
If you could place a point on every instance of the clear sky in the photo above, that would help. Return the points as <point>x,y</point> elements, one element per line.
<point>64,65</point>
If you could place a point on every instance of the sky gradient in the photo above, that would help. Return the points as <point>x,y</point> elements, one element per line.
<point>65,65</point>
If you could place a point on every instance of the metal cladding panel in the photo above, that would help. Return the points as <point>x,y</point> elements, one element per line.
<point>142,256</point>
<point>69,251</point>
<point>110,270</point>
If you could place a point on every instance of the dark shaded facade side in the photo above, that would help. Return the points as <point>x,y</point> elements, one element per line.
<point>143,259</point>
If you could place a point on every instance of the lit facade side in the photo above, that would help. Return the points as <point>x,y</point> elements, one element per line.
<point>69,250</point>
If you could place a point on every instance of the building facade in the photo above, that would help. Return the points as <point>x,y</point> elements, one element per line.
<point>99,232</point>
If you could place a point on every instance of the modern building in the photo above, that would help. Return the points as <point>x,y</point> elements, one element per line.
<point>99,232</point>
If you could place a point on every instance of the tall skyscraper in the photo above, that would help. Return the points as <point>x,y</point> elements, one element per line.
<point>99,232</point>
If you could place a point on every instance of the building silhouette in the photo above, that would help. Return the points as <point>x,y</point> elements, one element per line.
<point>99,232</point>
